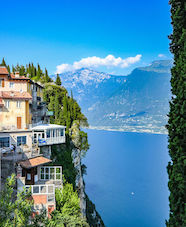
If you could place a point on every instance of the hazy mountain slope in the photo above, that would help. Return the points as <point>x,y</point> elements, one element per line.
<point>91,87</point>
<point>137,102</point>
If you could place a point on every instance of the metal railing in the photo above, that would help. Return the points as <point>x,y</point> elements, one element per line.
<point>43,189</point>
<point>52,140</point>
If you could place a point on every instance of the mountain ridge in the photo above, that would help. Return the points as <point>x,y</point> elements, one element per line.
<point>136,102</point>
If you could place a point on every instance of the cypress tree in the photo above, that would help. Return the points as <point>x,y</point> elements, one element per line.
<point>58,80</point>
<point>8,68</point>
<point>3,63</point>
<point>47,78</point>
<point>177,116</point>
<point>38,72</point>
<point>56,107</point>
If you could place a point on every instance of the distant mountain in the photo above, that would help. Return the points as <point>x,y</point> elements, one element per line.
<point>90,87</point>
<point>137,102</point>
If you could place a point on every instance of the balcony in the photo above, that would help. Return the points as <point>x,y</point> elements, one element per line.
<point>51,141</point>
<point>21,153</point>
<point>48,134</point>
<point>41,189</point>
<point>47,193</point>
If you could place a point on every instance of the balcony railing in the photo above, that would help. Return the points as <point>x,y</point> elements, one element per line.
<point>43,189</point>
<point>50,141</point>
<point>21,152</point>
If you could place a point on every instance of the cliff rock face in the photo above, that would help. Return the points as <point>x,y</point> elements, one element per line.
<point>76,157</point>
<point>88,209</point>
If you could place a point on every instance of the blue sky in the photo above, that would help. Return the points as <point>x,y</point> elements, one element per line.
<point>57,32</point>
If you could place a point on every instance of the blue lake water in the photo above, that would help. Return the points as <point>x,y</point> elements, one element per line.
<point>127,179</point>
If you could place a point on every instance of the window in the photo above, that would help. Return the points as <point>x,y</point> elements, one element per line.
<point>50,173</point>
<point>18,104</point>
<point>28,176</point>
<point>11,84</point>
<point>21,140</point>
<point>48,133</point>
<point>58,174</point>
<point>35,138</point>
<point>35,189</point>
<point>4,142</point>
<point>7,103</point>
<point>61,132</point>
<point>2,84</point>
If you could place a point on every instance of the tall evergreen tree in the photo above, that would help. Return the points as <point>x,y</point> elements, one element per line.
<point>38,72</point>
<point>3,63</point>
<point>47,78</point>
<point>58,80</point>
<point>177,116</point>
<point>8,68</point>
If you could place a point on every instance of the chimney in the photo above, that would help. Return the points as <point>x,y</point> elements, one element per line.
<point>16,74</point>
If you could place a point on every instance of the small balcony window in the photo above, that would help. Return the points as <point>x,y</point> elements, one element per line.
<point>7,104</point>
<point>61,132</point>
<point>18,104</point>
<point>48,133</point>
<point>35,189</point>
<point>50,173</point>
<point>43,189</point>
<point>11,84</point>
<point>21,140</point>
<point>28,176</point>
<point>4,142</point>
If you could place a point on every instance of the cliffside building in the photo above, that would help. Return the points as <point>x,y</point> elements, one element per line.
<point>26,137</point>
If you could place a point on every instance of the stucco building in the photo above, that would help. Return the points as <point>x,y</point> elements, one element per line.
<point>26,138</point>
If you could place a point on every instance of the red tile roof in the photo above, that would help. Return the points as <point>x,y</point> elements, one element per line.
<point>14,95</point>
<point>13,77</point>
<point>32,162</point>
<point>3,70</point>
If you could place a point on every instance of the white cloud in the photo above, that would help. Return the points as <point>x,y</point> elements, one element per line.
<point>161,56</point>
<point>108,61</point>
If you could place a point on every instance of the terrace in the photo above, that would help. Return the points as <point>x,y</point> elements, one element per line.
<point>48,134</point>
<point>47,190</point>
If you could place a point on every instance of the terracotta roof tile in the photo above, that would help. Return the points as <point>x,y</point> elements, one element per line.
<point>32,162</point>
<point>14,95</point>
<point>3,70</point>
<point>13,77</point>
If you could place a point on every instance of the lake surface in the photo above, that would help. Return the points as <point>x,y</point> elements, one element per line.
<point>127,179</point>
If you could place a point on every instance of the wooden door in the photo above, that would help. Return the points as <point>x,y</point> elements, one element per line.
<point>3,83</point>
<point>18,122</point>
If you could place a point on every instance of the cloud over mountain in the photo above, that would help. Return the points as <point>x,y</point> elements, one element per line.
<point>94,62</point>
<point>161,56</point>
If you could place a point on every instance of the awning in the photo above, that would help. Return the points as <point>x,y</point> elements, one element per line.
<point>33,162</point>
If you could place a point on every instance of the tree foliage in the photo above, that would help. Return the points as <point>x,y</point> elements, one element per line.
<point>65,108</point>
<point>79,138</point>
<point>3,63</point>
<point>33,72</point>
<point>58,80</point>
<point>68,206</point>
<point>177,116</point>
<point>16,210</point>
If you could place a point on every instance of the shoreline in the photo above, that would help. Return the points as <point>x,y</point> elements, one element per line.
<point>103,128</point>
